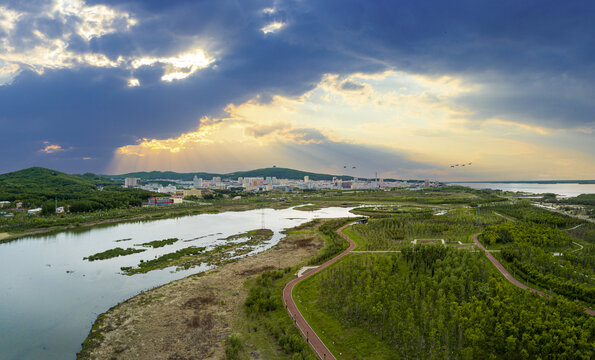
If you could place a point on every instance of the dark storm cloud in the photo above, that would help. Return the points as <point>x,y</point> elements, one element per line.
<point>533,57</point>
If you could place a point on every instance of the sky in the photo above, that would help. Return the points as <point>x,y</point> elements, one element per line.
<point>405,89</point>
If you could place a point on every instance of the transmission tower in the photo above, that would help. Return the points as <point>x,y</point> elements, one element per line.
<point>262,215</point>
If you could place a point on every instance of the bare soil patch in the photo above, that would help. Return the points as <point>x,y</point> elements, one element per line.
<point>190,318</point>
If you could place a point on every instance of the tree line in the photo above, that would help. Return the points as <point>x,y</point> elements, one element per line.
<point>433,302</point>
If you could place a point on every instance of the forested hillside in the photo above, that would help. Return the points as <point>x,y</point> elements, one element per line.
<point>36,186</point>
<point>279,173</point>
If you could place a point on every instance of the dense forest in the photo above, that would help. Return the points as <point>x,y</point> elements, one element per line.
<point>37,186</point>
<point>526,211</point>
<point>546,256</point>
<point>435,302</point>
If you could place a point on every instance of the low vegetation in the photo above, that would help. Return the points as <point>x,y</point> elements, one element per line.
<point>194,256</point>
<point>159,243</point>
<point>163,261</point>
<point>334,244</point>
<point>264,308</point>
<point>112,253</point>
<point>391,233</point>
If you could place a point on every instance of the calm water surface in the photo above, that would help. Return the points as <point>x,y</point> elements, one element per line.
<point>565,190</point>
<point>50,296</point>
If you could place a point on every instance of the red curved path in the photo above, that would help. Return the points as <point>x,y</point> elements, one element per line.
<point>510,277</point>
<point>317,345</point>
<point>319,348</point>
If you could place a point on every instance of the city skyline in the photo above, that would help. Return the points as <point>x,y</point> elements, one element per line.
<point>405,89</point>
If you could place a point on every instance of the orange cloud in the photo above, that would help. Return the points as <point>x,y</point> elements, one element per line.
<point>51,148</point>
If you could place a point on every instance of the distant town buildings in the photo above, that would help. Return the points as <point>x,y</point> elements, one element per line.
<point>177,190</point>
<point>131,182</point>
<point>158,201</point>
<point>197,182</point>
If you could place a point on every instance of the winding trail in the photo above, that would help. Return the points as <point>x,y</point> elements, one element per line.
<point>317,345</point>
<point>510,277</point>
<point>312,338</point>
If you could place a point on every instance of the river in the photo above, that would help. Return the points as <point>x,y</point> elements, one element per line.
<point>50,296</point>
<point>563,190</point>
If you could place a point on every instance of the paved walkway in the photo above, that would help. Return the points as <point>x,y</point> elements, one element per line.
<point>374,251</point>
<point>306,330</point>
<point>510,277</point>
<point>317,345</point>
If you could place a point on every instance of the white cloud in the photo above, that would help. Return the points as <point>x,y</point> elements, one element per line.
<point>92,21</point>
<point>40,49</point>
<point>8,19</point>
<point>272,27</point>
<point>177,67</point>
<point>133,82</point>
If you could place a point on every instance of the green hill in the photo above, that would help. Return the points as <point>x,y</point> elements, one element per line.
<point>37,185</point>
<point>279,173</point>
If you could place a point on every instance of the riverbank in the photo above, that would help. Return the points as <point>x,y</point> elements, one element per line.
<point>132,216</point>
<point>190,318</point>
<point>23,225</point>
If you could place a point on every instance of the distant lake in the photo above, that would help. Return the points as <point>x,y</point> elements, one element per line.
<point>565,190</point>
<point>50,296</point>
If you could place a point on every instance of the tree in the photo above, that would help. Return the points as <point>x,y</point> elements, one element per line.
<point>48,208</point>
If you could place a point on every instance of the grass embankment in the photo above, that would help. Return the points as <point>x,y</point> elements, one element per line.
<point>265,324</point>
<point>112,253</point>
<point>193,256</point>
<point>360,242</point>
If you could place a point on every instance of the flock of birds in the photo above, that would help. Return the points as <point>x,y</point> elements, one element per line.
<point>469,164</point>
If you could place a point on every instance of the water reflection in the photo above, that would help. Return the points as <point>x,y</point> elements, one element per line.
<point>51,296</point>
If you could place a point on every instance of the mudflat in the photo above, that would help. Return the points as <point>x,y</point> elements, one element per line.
<point>190,318</point>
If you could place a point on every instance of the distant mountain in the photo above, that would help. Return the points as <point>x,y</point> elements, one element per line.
<point>279,173</point>
<point>36,185</point>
